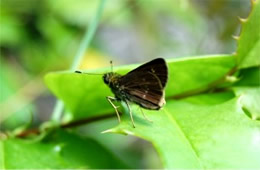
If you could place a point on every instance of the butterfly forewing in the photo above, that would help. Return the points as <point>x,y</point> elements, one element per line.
<point>157,66</point>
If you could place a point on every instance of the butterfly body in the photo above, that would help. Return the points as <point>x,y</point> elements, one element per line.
<point>112,80</point>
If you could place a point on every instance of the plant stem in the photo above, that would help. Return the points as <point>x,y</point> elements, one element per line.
<point>57,111</point>
<point>88,36</point>
<point>72,124</point>
<point>84,45</point>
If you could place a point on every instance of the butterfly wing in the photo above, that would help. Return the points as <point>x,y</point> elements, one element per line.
<point>157,66</point>
<point>145,84</point>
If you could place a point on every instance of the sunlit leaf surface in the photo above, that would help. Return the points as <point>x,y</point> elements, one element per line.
<point>199,136</point>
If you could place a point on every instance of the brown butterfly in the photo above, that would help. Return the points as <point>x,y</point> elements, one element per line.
<point>143,86</point>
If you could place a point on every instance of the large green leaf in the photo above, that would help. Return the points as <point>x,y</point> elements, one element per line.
<point>138,154</point>
<point>249,41</point>
<point>188,135</point>
<point>185,75</point>
<point>60,150</point>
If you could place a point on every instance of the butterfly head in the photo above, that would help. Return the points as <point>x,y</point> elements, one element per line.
<point>110,78</point>
<point>107,78</point>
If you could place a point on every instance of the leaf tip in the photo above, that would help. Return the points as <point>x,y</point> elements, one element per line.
<point>108,131</point>
<point>120,131</point>
<point>115,131</point>
<point>128,132</point>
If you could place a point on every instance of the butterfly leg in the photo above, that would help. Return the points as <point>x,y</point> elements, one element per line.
<point>109,98</point>
<point>145,115</point>
<point>130,112</point>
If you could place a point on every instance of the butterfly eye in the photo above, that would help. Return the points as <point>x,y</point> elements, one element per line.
<point>106,78</point>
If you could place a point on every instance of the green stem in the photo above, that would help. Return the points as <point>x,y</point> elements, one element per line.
<point>88,36</point>
<point>57,111</point>
<point>89,33</point>
<point>72,124</point>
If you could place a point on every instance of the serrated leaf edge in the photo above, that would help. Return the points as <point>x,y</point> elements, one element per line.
<point>243,21</point>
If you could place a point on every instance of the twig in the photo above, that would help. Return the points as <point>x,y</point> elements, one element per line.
<point>75,123</point>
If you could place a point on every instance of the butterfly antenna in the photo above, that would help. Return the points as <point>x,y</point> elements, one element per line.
<point>79,72</point>
<point>111,63</point>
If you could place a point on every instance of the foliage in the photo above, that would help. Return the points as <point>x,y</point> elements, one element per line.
<point>211,119</point>
<point>60,150</point>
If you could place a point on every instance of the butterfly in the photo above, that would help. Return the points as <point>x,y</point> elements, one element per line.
<point>143,86</point>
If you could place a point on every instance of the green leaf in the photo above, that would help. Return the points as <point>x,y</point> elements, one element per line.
<point>197,73</point>
<point>187,135</point>
<point>249,40</point>
<point>250,99</point>
<point>60,150</point>
<point>186,75</point>
<point>136,153</point>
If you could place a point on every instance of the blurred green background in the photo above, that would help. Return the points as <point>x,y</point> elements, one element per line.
<point>39,36</point>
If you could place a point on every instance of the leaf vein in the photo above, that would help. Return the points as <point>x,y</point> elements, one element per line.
<point>185,136</point>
